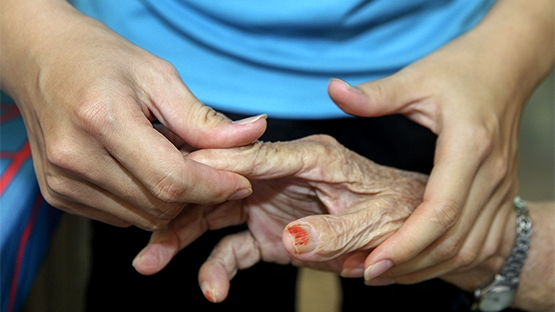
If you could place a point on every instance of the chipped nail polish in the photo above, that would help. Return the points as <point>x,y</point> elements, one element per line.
<point>209,293</point>
<point>301,238</point>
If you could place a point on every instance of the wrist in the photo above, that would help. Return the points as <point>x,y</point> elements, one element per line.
<point>501,292</point>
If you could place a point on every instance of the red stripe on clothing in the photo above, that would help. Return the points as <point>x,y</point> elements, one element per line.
<point>21,251</point>
<point>18,160</point>
<point>12,113</point>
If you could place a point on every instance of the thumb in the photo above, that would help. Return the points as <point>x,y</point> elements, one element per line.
<point>390,95</point>
<point>200,125</point>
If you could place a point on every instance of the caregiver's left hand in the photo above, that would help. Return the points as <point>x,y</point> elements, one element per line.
<point>471,94</point>
<point>339,202</point>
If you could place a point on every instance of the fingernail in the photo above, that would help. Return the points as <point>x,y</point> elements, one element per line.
<point>352,272</point>
<point>209,292</point>
<point>240,194</point>
<point>379,281</point>
<point>250,120</point>
<point>377,269</point>
<point>146,260</point>
<point>301,238</point>
<point>349,87</point>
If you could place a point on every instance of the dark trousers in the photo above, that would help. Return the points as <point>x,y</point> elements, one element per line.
<point>116,286</point>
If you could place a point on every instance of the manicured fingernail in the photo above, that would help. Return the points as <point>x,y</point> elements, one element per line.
<point>240,194</point>
<point>380,281</point>
<point>301,238</point>
<point>377,269</point>
<point>352,272</point>
<point>250,120</point>
<point>209,292</point>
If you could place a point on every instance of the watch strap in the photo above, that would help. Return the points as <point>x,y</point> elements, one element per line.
<point>515,262</point>
<point>509,275</point>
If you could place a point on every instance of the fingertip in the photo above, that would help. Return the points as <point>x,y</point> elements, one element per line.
<point>241,193</point>
<point>353,266</point>
<point>350,99</point>
<point>251,120</point>
<point>214,281</point>
<point>376,269</point>
<point>146,262</point>
<point>299,239</point>
<point>231,133</point>
<point>152,259</point>
<point>209,292</point>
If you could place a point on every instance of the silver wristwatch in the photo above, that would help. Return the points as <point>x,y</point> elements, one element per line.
<point>500,293</point>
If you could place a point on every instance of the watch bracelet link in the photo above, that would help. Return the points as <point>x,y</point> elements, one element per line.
<point>515,262</point>
<point>511,271</point>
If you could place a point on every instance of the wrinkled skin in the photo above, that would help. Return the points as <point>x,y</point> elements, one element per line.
<point>342,200</point>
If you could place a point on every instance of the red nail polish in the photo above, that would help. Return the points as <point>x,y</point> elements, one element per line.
<point>208,296</point>
<point>300,235</point>
<point>301,238</point>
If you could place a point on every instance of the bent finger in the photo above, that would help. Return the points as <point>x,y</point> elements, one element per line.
<point>197,124</point>
<point>232,253</point>
<point>189,225</point>
<point>161,168</point>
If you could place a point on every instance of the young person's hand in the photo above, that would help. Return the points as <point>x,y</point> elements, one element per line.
<point>89,97</point>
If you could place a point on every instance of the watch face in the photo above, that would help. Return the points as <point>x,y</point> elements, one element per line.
<point>496,301</point>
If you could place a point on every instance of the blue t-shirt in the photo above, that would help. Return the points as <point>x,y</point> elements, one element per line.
<point>277,57</point>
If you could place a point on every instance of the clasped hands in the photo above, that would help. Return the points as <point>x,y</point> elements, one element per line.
<point>314,203</point>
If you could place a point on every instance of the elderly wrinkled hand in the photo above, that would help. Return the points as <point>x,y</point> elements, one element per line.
<point>313,200</point>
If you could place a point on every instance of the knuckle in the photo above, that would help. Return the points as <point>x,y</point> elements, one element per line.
<point>484,138</point>
<point>465,258</point>
<point>500,168</point>
<point>447,215</point>
<point>323,138</point>
<point>165,213</point>
<point>63,154</point>
<point>93,116</point>
<point>170,187</point>
<point>447,250</point>
<point>156,225</point>
<point>150,221</point>
<point>58,187</point>
<point>165,69</point>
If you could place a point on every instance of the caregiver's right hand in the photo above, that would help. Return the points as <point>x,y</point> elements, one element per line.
<point>88,98</point>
